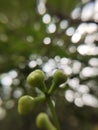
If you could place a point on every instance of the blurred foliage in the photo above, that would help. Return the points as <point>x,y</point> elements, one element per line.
<point>50,35</point>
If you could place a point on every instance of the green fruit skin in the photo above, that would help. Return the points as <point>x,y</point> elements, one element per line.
<point>25,104</point>
<point>43,122</point>
<point>58,78</point>
<point>36,79</point>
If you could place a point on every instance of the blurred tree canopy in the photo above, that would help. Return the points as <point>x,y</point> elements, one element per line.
<point>50,35</point>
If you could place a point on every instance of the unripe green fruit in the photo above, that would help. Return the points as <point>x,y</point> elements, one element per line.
<point>25,104</point>
<point>58,78</point>
<point>36,79</point>
<point>43,122</point>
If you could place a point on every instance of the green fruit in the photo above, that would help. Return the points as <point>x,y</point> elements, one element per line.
<point>25,104</point>
<point>58,78</point>
<point>43,122</point>
<point>36,79</point>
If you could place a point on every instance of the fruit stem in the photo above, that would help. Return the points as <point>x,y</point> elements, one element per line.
<point>51,106</point>
<point>52,88</point>
<point>40,98</point>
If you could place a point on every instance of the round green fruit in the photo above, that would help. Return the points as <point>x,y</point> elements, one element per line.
<point>58,78</point>
<point>36,79</point>
<point>25,104</point>
<point>43,122</point>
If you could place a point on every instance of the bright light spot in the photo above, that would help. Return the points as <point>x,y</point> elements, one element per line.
<point>67,70</point>
<point>91,27</point>
<point>69,95</point>
<point>87,11</point>
<point>76,13</point>
<point>2,113</point>
<point>95,17</point>
<point>90,38</point>
<point>90,100</point>
<point>18,93</point>
<point>51,28</point>
<point>79,102</point>
<point>89,72</point>
<point>70,31</point>
<point>83,89</point>
<point>76,67</point>
<point>87,28</point>
<point>82,28</point>
<point>10,104</point>
<point>76,37</point>
<point>13,74</point>
<point>46,18</point>
<point>96,11</point>
<point>47,40</point>
<point>93,62</point>
<point>32,64</point>
<point>29,39</point>
<point>96,6</point>
<point>63,24</point>
<point>64,61</point>
<point>83,49</point>
<point>64,64</point>
<point>73,83</point>
<point>41,7</point>
<point>6,80</point>
<point>39,61</point>
<point>49,66</point>
<point>87,50</point>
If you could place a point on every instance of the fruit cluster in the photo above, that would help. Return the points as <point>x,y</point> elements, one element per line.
<point>27,103</point>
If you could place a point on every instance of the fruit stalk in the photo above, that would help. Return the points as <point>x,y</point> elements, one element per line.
<point>51,106</point>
